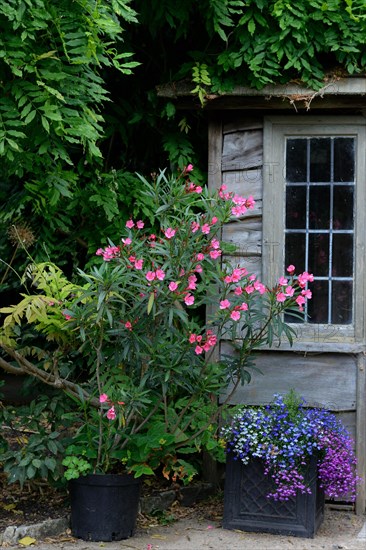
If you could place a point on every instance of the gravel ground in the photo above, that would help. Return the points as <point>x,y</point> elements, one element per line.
<point>339,531</point>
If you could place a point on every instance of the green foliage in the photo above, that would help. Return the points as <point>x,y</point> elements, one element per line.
<point>201,77</point>
<point>75,467</point>
<point>75,124</point>
<point>149,395</point>
<point>36,437</point>
<point>52,58</point>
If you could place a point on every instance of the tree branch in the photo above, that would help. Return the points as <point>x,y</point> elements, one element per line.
<point>26,367</point>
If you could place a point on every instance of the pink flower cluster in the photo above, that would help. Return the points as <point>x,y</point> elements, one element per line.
<point>251,284</point>
<point>241,204</point>
<point>203,343</point>
<point>235,311</point>
<point>205,227</point>
<point>139,224</point>
<point>111,412</point>
<point>287,288</point>
<point>193,188</point>
<point>157,274</point>
<point>109,252</point>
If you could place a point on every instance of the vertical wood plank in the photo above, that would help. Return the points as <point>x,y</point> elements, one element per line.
<point>215,141</point>
<point>361,432</point>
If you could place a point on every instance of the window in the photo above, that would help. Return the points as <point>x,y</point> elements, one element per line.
<point>314,217</point>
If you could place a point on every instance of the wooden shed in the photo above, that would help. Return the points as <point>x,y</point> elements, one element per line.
<point>302,155</point>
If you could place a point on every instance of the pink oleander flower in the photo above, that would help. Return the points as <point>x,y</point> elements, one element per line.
<point>103,398</point>
<point>281,297</point>
<point>305,277</point>
<point>228,279</point>
<point>249,289</point>
<point>282,281</point>
<point>192,338</point>
<point>189,300</point>
<point>140,224</point>
<point>235,315</point>
<point>195,227</point>
<point>127,241</point>
<point>300,300</point>
<point>238,291</point>
<point>150,276</point>
<point>291,269</point>
<point>109,253</point>
<point>198,268</point>
<point>214,220</point>
<point>215,244</point>
<point>236,275</point>
<point>192,282</point>
<point>198,350</point>
<point>238,210</point>
<point>198,189</point>
<point>111,414</point>
<point>237,199</point>
<point>223,195</point>
<point>214,254</point>
<point>250,202</point>
<point>205,229</point>
<point>289,291</point>
<point>188,168</point>
<point>128,325</point>
<point>224,304</point>
<point>200,257</point>
<point>307,293</point>
<point>160,274</point>
<point>169,233</point>
<point>244,306</point>
<point>130,224</point>
<point>138,264</point>
<point>259,287</point>
<point>173,286</point>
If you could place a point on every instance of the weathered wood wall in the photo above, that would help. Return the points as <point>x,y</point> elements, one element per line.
<point>334,380</point>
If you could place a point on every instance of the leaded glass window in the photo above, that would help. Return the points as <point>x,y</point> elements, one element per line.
<point>319,222</point>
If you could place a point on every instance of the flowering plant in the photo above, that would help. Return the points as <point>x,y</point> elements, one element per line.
<point>136,325</point>
<point>285,435</point>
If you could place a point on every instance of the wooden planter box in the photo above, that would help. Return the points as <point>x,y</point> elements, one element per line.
<point>246,507</point>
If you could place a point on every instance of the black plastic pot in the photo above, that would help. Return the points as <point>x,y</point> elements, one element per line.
<point>104,507</point>
<point>247,508</point>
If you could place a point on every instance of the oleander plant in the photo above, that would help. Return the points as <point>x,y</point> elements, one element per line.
<point>131,341</point>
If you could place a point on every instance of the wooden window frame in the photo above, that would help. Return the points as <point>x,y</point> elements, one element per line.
<point>276,129</point>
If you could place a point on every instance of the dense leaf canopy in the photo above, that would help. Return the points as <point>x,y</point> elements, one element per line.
<point>79,112</point>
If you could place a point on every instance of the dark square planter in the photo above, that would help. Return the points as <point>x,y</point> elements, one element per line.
<point>247,508</point>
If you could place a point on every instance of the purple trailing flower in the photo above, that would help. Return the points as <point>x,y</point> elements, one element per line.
<point>285,435</point>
